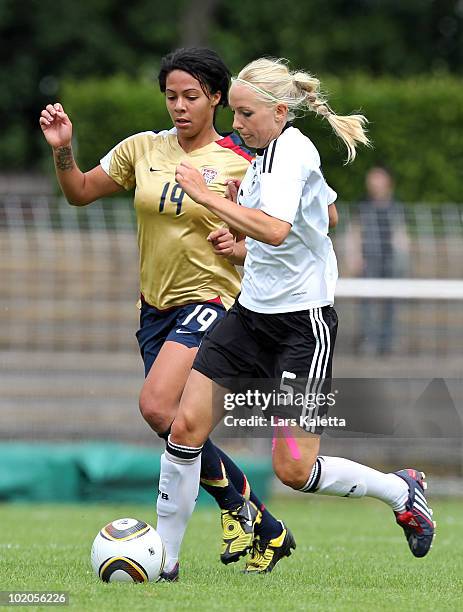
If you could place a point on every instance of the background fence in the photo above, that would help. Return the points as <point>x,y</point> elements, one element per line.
<point>69,278</point>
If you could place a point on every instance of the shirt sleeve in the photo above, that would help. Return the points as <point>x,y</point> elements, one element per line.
<point>281,181</point>
<point>119,163</point>
<point>330,194</point>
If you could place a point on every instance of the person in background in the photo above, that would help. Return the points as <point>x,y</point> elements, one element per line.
<point>383,239</point>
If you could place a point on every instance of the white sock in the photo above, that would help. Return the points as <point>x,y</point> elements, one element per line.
<point>178,490</point>
<point>338,476</point>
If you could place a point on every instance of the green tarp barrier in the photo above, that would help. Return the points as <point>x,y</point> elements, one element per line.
<point>92,472</point>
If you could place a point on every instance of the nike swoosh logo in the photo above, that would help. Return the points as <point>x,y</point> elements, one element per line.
<point>155,170</point>
<point>180,331</point>
<point>249,519</point>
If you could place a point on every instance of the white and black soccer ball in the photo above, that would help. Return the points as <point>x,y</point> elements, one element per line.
<point>128,550</point>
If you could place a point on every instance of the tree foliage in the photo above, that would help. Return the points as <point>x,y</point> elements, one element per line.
<point>45,42</point>
<point>415,127</point>
<point>337,37</point>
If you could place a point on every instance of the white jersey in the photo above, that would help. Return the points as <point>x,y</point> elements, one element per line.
<point>285,181</point>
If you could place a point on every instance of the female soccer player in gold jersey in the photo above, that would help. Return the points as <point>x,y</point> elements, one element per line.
<point>185,285</point>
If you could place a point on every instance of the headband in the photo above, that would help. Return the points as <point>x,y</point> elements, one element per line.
<point>263,92</point>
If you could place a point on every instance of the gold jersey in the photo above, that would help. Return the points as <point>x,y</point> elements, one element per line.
<point>177,264</point>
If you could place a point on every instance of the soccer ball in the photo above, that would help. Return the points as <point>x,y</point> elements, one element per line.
<point>128,550</point>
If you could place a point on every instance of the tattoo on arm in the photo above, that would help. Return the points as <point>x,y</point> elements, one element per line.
<point>64,158</point>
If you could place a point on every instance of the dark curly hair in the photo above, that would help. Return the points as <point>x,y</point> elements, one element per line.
<point>204,65</point>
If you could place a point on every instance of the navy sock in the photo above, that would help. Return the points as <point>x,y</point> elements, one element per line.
<point>269,527</point>
<point>164,434</point>
<point>216,480</point>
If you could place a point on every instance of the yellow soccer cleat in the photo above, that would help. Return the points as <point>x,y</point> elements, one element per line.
<point>238,531</point>
<point>266,554</point>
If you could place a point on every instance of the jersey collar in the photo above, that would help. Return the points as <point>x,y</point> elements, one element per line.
<point>262,151</point>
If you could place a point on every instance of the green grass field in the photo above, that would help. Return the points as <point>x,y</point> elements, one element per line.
<point>350,556</point>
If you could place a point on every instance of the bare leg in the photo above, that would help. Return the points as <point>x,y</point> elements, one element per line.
<point>159,403</point>
<point>298,465</point>
<point>163,387</point>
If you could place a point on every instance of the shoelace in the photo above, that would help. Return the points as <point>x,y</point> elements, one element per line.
<point>239,517</point>
<point>257,553</point>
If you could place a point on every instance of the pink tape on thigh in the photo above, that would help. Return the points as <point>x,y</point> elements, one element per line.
<point>290,441</point>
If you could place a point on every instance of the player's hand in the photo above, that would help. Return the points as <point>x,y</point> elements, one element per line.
<point>223,241</point>
<point>56,126</point>
<point>192,182</point>
<point>231,192</point>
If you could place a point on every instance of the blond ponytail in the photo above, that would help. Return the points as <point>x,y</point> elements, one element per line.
<point>274,83</point>
<point>349,128</point>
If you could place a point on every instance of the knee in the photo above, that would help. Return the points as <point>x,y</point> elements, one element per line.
<point>294,474</point>
<point>156,411</point>
<point>185,432</point>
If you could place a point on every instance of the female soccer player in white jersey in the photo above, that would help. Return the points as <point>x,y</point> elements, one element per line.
<point>283,324</point>
<point>185,285</point>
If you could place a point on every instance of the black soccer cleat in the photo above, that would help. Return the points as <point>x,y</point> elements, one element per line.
<point>416,520</point>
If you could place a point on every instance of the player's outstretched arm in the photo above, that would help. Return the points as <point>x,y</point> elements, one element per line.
<point>253,223</point>
<point>78,187</point>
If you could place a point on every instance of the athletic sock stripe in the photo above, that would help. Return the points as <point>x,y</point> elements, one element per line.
<point>319,474</point>
<point>183,452</point>
<point>192,451</point>
<point>177,456</point>
<point>181,447</point>
<point>314,478</point>
<point>313,474</point>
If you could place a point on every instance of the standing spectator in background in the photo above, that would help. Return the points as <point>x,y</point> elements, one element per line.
<point>383,239</point>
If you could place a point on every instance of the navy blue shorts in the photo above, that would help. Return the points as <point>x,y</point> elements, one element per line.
<point>186,325</point>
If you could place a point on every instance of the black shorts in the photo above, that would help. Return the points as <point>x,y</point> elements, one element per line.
<point>292,352</point>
